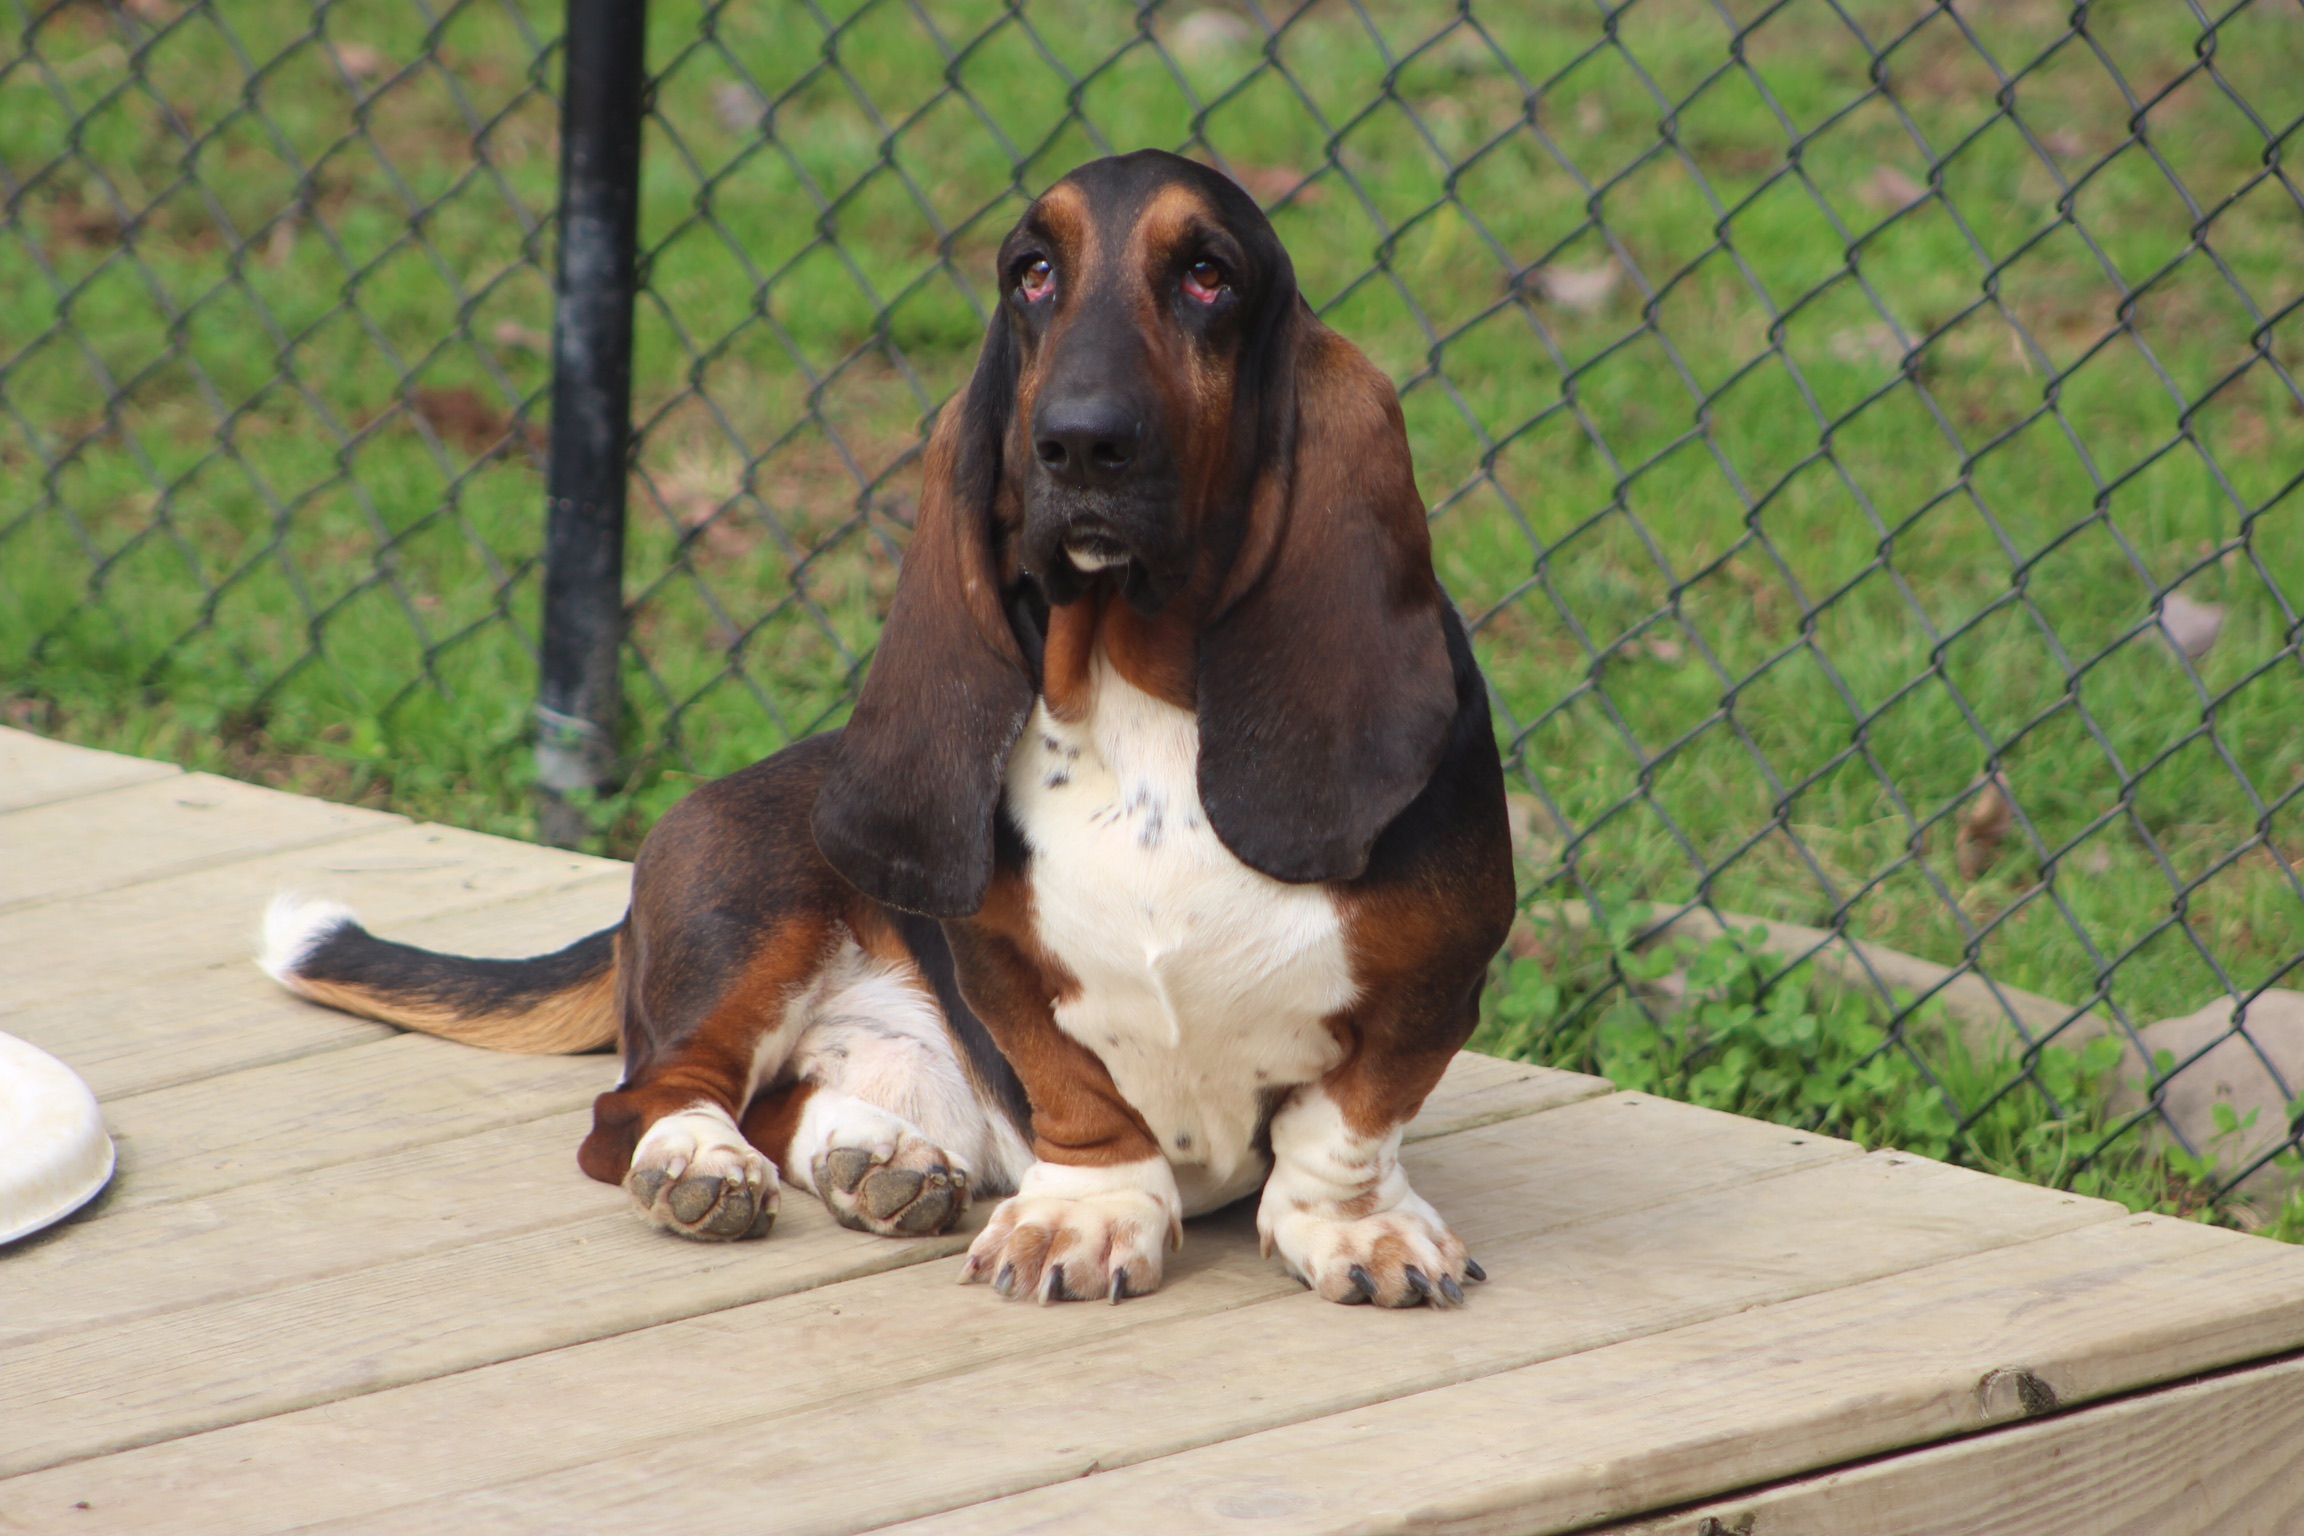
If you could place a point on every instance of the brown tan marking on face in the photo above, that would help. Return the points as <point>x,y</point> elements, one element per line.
<point>1196,387</point>
<point>1064,218</point>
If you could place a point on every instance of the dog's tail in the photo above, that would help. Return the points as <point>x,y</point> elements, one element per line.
<point>551,1004</point>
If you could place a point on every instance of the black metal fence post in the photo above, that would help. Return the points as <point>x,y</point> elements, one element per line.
<point>581,696</point>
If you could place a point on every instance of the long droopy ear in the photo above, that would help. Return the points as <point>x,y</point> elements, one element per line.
<point>906,811</point>
<point>1325,693</point>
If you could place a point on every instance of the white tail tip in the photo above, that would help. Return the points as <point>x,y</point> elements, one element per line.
<point>293,927</point>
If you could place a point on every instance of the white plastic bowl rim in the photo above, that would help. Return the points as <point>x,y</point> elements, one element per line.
<point>54,1153</point>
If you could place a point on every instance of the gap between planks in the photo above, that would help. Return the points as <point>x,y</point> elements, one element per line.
<point>280,1347</point>
<point>422,1197</point>
<point>1767,1393</point>
<point>35,770</point>
<point>144,1032</point>
<point>623,1420</point>
<point>1163,1389</point>
<point>2222,1456</point>
<point>178,825</point>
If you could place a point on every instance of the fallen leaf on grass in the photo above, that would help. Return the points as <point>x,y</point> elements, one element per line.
<point>462,417</point>
<point>2191,627</point>
<point>738,106</point>
<point>1270,183</point>
<point>1984,829</point>
<point>718,530</point>
<point>1891,188</point>
<point>31,714</point>
<point>1207,35</point>
<point>702,491</point>
<point>87,224</point>
<point>1582,289</point>
<point>1525,815</point>
<point>525,338</point>
<point>1866,344</point>
<point>2063,142</point>
<point>358,60</point>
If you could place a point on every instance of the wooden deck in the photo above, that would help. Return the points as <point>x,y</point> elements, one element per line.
<point>352,1280</point>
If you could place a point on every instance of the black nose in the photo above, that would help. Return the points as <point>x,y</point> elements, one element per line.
<point>1087,442</point>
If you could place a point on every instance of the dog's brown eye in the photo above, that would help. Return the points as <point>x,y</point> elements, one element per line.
<point>1036,280</point>
<point>1204,280</point>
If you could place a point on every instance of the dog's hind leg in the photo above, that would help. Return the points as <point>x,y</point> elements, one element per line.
<point>669,1131</point>
<point>878,1116</point>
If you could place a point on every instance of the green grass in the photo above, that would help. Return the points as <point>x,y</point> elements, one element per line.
<point>1725,1025</point>
<point>1759,612</point>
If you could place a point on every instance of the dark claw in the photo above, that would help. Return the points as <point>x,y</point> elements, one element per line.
<point>1119,1291</point>
<point>1419,1282</point>
<point>1005,1282</point>
<point>1365,1281</point>
<point>1054,1289</point>
<point>1450,1289</point>
<point>1473,1271</point>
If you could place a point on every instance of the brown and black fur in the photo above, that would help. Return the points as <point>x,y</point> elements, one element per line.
<point>1278,582</point>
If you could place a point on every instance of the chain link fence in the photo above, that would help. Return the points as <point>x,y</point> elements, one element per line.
<point>1863,435</point>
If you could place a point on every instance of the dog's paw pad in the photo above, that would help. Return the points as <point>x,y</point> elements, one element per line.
<point>909,1189</point>
<point>694,1174</point>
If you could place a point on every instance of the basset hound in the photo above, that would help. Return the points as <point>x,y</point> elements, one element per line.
<point>1161,862</point>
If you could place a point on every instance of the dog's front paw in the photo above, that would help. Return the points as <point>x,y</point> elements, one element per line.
<point>901,1187</point>
<point>1079,1234</point>
<point>695,1174</point>
<point>1403,1257</point>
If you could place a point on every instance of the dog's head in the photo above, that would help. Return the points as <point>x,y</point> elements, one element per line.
<point>1142,295</point>
<point>1157,414</point>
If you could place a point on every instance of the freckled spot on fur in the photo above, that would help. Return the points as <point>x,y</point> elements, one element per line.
<point>1183,1141</point>
<point>1057,779</point>
<point>1053,745</point>
<point>1148,836</point>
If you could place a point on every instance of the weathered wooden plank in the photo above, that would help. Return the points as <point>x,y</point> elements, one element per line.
<point>81,1389</point>
<point>54,950</point>
<point>37,771</point>
<point>1164,1390</point>
<point>313,1112</point>
<point>1555,1202</point>
<point>2222,1457</point>
<point>165,826</point>
<point>1738,1400</point>
<point>150,1031</point>
<point>1483,1090</point>
<point>272,1232</point>
<point>179,1254</point>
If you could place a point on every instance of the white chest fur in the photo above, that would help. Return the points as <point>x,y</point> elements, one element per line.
<point>1204,985</point>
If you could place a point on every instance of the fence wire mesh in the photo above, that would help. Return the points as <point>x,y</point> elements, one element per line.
<point>1863,435</point>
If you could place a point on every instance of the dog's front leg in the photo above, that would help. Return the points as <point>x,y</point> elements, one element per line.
<point>1098,1209</point>
<point>1337,1205</point>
